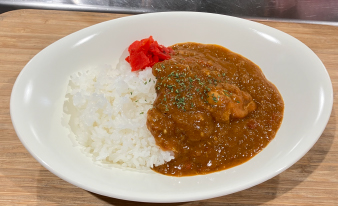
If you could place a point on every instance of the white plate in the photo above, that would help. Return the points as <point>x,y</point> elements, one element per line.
<point>38,95</point>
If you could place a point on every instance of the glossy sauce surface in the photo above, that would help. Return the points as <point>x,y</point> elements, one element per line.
<point>214,109</point>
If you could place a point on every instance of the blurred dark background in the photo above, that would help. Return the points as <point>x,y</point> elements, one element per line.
<point>302,10</point>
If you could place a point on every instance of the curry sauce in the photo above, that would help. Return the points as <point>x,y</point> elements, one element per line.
<point>214,109</point>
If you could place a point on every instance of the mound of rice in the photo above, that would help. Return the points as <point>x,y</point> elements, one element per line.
<point>108,108</point>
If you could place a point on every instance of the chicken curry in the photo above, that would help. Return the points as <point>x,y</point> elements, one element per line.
<point>214,109</point>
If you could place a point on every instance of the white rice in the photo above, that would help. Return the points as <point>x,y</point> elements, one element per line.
<point>108,108</point>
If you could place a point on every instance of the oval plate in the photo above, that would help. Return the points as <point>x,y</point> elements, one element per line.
<point>38,95</point>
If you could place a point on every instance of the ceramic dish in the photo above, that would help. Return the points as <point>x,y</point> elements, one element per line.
<point>38,95</point>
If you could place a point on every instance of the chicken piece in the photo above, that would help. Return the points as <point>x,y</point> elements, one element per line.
<point>230,102</point>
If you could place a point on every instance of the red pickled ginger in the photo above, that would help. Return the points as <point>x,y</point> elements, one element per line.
<point>146,53</point>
